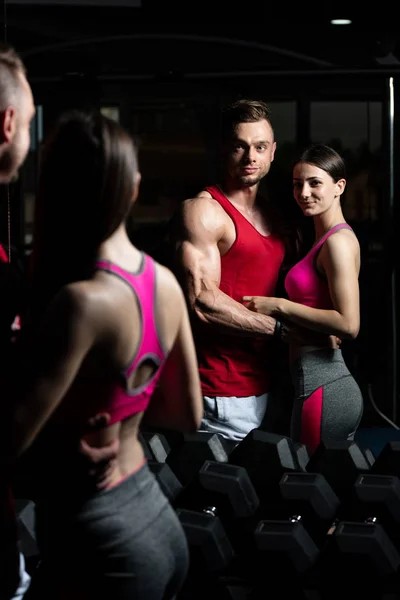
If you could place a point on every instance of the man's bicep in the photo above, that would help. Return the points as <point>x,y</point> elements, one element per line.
<point>201,265</point>
<point>198,248</point>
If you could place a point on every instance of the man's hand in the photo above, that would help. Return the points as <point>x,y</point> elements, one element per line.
<point>101,461</point>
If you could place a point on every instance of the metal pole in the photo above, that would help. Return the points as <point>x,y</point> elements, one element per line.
<point>391,211</point>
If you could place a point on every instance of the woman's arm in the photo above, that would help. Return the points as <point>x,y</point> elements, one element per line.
<point>177,402</point>
<point>340,260</point>
<point>47,369</point>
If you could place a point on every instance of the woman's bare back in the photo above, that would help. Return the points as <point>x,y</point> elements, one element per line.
<point>120,331</point>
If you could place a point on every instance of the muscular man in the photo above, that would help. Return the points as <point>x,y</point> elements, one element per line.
<point>230,243</point>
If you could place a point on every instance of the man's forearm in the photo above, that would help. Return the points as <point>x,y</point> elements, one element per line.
<point>227,315</point>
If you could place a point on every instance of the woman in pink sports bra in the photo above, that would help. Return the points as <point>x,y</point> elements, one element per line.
<point>108,328</point>
<point>323,297</point>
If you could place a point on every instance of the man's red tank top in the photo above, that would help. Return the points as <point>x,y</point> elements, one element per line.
<point>231,365</point>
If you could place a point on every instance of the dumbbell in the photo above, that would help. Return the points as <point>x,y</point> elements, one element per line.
<point>361,561</point>
<point>168,481</point>
<point>205,532</point>
<point>299,553</point>
<point>266,457</point>
<point>155,445</point>
<point>374,551</point>
<point>211,553</point>
<point>388,460</point>
<point>310,496</point>
<point>187,458</point>
<point>287,547</point>
<point>340,462</point>
<point>303,455</point>
<point>214,566</point>
<point>378,497</point>
<point>228,490</point>
<point>285,558</point>
<point>364,543</point>
<point>377,494</point>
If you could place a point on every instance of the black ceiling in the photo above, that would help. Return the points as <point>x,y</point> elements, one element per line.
<point>204,37</point>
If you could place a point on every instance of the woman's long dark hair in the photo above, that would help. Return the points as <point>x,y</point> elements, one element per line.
<point>86,183</point>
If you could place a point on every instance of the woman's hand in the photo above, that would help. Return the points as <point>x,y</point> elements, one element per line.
<point>261,304</point>
<point>101,461</point>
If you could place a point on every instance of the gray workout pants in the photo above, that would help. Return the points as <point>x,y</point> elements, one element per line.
<point>122,543</point>
<point>328,402</point>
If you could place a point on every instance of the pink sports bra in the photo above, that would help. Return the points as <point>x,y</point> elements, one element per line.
<point>96,392</point>
<point>304,284</point>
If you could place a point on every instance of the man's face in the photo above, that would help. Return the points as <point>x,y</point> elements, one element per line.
<point>16,122</point>
<point>251,152</point>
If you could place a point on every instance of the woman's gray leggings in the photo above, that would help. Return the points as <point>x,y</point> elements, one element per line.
<point>122,543</point>
<point>328,402</point>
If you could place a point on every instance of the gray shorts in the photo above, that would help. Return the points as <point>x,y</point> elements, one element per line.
<point>233,417</point>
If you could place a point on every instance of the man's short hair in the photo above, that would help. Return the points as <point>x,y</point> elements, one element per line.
<point>242,111</point>
<point>11,68</point>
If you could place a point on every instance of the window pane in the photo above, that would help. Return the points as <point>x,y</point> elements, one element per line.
<point>355,124</point>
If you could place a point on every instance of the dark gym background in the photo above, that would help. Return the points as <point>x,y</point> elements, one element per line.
<point>163,69</point>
